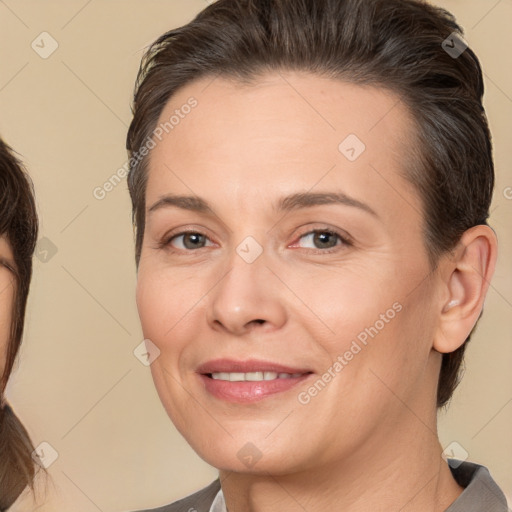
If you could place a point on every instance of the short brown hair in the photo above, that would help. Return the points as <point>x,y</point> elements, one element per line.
<point>393,44</point>
<point>19,225</point>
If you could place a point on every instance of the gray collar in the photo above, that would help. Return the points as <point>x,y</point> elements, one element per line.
<point>481,494</point>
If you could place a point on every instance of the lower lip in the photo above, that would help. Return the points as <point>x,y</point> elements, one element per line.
<point>249,391</point>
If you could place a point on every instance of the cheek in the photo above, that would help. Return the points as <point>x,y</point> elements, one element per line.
<point>161,305</point>
<point>350,304</point>
<point>6,302</point>
<point>165,302</point>
<point>157,303</point>
<point>371,322</point>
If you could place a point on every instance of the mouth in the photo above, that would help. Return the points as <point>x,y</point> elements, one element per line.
<point>249,381</point>
<point>252,376</point>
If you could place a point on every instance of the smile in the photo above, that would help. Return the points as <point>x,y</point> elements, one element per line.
<point>252,376</point>
<point>249,381</point>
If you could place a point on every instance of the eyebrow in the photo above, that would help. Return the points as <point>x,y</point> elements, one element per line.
<point>285,204</point>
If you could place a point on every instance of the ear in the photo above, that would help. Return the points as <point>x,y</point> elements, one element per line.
<point>466,277</point>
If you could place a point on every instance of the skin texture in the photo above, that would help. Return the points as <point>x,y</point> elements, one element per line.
<point>6,299</point>
<point>368,439</point>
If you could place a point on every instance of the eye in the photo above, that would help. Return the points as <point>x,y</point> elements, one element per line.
<point>190,240</point>
<point>325,239</point>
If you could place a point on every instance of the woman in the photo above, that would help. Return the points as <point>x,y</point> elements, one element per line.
<point>18,235</point>
<point>311,182</point>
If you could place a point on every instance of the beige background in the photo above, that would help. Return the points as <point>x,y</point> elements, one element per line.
<point>78,385</point>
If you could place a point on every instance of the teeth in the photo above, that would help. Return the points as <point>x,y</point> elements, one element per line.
<point>220,376</point>
<point>255,376</point>
<point>252,376</point>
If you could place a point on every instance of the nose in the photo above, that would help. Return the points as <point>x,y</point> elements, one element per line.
<point>248,297</point>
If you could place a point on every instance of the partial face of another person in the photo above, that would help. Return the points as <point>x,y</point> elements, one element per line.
<point>303,261</point>
<point>7,288</point>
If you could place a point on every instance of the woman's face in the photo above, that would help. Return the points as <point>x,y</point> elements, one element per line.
<point>7,287</point>
<point>329,297</point>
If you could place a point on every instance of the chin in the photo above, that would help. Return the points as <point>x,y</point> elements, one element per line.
<point>243,456</point>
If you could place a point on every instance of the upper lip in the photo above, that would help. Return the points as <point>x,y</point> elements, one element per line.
<point>251,365</point>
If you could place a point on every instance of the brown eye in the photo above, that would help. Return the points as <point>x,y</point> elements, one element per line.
<point>190,240</point>
<point>324,239</point>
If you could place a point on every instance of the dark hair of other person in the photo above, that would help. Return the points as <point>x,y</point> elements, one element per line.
<point>392,44</point>
<point>19,225</point>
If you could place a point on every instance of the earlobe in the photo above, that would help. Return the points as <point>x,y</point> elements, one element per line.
<point>469,272</point>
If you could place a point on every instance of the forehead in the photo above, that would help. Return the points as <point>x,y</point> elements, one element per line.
<point>283,130</point>
<point>331,103</point>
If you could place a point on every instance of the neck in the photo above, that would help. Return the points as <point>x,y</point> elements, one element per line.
<point>405,473</point>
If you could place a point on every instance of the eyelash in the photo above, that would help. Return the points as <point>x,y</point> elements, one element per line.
<point>345,241</point>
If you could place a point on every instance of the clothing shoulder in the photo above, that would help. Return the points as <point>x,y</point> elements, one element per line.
<point>200,501</point>
<point>481,493</point>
